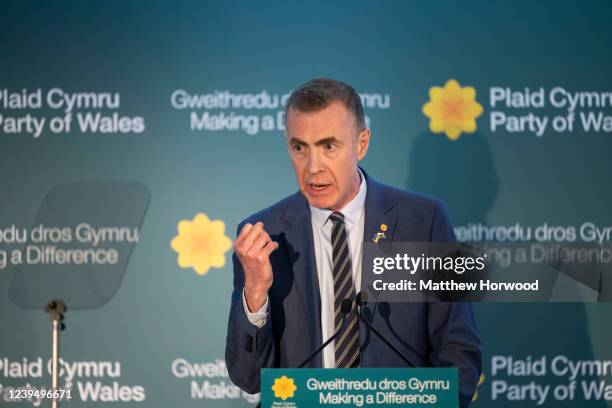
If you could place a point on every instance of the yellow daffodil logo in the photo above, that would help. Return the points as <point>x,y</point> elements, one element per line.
<point>284,387</point>
<point>452,109</point>
<point>201,244</point>
<point>481,380</point>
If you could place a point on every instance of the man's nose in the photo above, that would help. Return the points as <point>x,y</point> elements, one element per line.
<point>315,163</point>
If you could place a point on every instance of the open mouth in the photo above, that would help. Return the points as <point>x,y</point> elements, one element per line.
<point>318,188</point>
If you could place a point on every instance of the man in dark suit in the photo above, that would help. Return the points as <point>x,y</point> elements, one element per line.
<point>296,261</point>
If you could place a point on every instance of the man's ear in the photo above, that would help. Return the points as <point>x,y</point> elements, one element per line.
<point>363,142</point>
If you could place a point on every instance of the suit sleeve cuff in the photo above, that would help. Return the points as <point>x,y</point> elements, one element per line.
<point>257,318</point>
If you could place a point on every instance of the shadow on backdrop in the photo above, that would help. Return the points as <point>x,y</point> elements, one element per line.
<point>463,174</point>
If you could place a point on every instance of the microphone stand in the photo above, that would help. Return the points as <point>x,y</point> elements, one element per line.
<point>345,308</point>
<point>361,302</point>
<point>56,309</point>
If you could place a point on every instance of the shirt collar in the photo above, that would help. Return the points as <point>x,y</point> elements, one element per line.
<point>351,211</point>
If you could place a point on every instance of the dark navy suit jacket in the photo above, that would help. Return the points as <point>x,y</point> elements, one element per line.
<point>428,334</point>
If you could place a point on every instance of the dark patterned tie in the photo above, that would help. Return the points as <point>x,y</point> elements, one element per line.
<point>347,343</point>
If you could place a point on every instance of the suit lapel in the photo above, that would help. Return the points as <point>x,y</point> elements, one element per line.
<point>300,249</point>
<point>378,214</point>
<point>379,218</point>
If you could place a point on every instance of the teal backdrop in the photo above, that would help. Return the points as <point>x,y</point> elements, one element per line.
<point>159,341</point>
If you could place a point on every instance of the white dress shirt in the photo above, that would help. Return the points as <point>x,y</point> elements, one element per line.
<point>354,218</point>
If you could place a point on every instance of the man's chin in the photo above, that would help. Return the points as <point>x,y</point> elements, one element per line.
<point>322,203</point>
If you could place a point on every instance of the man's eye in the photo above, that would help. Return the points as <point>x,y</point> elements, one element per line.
<point>330,146</point>
<point>297,148</point>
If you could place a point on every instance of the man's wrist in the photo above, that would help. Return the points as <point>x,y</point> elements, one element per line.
<point>255,298</point>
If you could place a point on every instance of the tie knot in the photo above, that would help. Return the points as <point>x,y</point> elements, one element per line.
<point>337,217</point>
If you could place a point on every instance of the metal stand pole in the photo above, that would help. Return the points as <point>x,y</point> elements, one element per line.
<point>56,309</point>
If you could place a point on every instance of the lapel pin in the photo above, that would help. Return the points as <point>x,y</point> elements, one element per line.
<point>378,236</point>
<point>381,234</point>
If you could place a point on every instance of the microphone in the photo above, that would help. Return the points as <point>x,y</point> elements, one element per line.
<point>345,308</point>
<point>362,301</point>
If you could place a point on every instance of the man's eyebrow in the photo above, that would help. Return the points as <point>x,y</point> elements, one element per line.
<point>297,141</point>
<point>320,142</point>
<point>327,140</point>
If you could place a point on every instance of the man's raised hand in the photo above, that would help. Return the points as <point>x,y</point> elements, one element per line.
<point>253,247</point>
